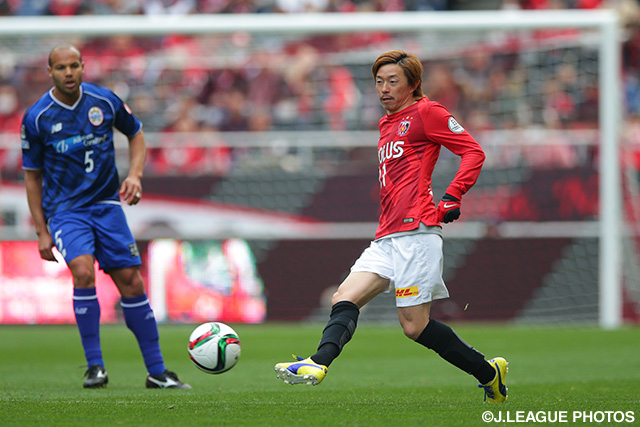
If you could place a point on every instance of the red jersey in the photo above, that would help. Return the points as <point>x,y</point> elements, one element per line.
<point>408,149</point>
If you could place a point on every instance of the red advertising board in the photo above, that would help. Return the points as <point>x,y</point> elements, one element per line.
<point>186,281</point>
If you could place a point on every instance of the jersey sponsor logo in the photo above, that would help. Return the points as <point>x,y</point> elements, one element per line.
<point>62,146</point>
<point>407,292</point>
<point>56,128</point>
<point>85,141</point>
<point>96,116</point>
<point>403,128</point>
<point>390,150</point>
<point>454,126</point>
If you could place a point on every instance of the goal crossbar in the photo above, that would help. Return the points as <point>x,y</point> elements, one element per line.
<point>310,23</point>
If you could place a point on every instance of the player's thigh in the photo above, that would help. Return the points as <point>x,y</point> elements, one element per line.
<point>115,246</point>
<point>360,287</point>
<point>418,261</point>
<point>72,234</point>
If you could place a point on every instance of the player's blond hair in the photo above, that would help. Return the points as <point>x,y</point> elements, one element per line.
<point>409,63</point>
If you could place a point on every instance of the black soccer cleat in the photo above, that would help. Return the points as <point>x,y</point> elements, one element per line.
<point>167,379</point>
<point>96,377</point>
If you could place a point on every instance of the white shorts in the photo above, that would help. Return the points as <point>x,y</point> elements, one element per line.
<point>412,263</point>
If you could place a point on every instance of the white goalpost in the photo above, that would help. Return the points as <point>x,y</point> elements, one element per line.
<point>603,27</point>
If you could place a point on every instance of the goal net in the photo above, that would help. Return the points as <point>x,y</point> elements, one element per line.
<point>277,115</point>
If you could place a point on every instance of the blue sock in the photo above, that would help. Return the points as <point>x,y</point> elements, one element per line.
<point>87,311</point>
<point>140,319</point>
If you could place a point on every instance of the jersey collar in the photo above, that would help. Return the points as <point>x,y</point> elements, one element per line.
<point>62,104</point>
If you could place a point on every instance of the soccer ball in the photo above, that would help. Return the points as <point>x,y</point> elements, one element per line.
<point>214,347</point>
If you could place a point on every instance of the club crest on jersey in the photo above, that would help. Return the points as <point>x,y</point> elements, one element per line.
<point>96,116</point>
<point>403,128</point>
<point>454,126</point>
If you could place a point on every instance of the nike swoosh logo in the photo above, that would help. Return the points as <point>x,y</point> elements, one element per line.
<point>450,205</point>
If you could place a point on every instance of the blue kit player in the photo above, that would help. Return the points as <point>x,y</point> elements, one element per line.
<point>73,191</point>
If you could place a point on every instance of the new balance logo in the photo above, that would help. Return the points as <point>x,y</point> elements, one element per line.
<point>407,292</point>
<point>56,128</point>
<point>82,310</point>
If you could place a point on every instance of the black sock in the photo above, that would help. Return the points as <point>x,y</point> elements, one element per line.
<point>485,374</point>
<point>339,330</point>
<point>444,341</point>
<point>326,354</point>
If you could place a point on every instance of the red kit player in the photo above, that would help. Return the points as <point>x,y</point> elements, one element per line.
<point>407,251</point>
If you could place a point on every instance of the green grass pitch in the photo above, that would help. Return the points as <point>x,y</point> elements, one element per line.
<point>381,378</point>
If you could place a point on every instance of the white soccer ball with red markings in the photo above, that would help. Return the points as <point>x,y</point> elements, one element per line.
<point>214,347</point>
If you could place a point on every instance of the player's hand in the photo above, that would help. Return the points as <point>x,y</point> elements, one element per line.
<point>45,246</point>
<point>131,190</point>
<point>448,209</point>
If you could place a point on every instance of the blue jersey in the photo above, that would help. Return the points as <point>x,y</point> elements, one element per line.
<point>73,146</point>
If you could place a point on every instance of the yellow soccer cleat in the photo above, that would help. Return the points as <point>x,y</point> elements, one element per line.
<point>496,390</point>
<point>303,371</point>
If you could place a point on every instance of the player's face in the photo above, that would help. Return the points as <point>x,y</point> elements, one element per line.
<point>394,91</point>
<point>66,72</point>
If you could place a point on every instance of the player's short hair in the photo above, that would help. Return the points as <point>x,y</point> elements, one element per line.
<point>409,63</point>
<point>64,47</point>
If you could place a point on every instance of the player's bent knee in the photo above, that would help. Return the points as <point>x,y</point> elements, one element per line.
<point>128,281</point>
<point>412,330</point>
<point>336,298</point>
<point>83,277</point>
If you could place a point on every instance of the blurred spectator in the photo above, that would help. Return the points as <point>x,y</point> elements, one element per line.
<point>472,76</point>
<point>5,8</point>
<point>235,112</point>
<point>10,120</point>
<point>67,7</point>
<point>426,5</point>
<point>116,7</point>
<point>301,6</point>
<point>559,107</point>
<point>10,113</point>
<point>180,151</point>
<point>440,85</point>
<point>341,98</point>
<point>234,6</point>
<point>30,7</point>
<point>168,7</point>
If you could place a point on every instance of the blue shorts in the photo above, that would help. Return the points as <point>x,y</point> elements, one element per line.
<point>101,231</point>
